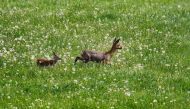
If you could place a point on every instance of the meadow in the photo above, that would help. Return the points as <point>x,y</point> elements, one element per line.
<point>152,71</point>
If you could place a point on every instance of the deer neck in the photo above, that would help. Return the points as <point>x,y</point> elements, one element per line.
<point>111,51</point>
<point>53,61</point>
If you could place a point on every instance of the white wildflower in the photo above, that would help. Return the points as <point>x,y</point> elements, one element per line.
<point>154,101</point>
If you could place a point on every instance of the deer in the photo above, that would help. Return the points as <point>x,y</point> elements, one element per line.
<point>43,62</point>
<point>99,57</point>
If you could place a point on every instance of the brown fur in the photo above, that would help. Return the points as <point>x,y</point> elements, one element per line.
<point>95,56</point>
<point>43,62</point>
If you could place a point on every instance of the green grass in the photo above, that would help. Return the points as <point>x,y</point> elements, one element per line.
<point>152,71</point>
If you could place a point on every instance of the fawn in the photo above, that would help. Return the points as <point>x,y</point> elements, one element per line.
<point>99,57</point>
<point>43,62</point>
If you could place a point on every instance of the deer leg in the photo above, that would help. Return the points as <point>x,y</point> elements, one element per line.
<point>104,61</point>
<point>78,58</point>
<point>86,60</point>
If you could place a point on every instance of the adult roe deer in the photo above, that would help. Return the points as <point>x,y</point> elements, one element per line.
<point>100,57</point>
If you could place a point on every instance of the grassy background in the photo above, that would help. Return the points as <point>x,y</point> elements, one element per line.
<point>151,71</point>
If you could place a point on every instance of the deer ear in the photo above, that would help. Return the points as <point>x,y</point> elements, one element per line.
<point>114,40</point>
<point>117,40</point>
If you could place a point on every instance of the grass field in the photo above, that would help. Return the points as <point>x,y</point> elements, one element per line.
<point>152,71</point>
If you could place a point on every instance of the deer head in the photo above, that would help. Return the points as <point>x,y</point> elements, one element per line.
<point>55,57</point>
<point>116,44</point>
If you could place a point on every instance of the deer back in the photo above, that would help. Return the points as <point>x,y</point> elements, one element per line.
<point>93,55</point>
<point>45,62</point>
